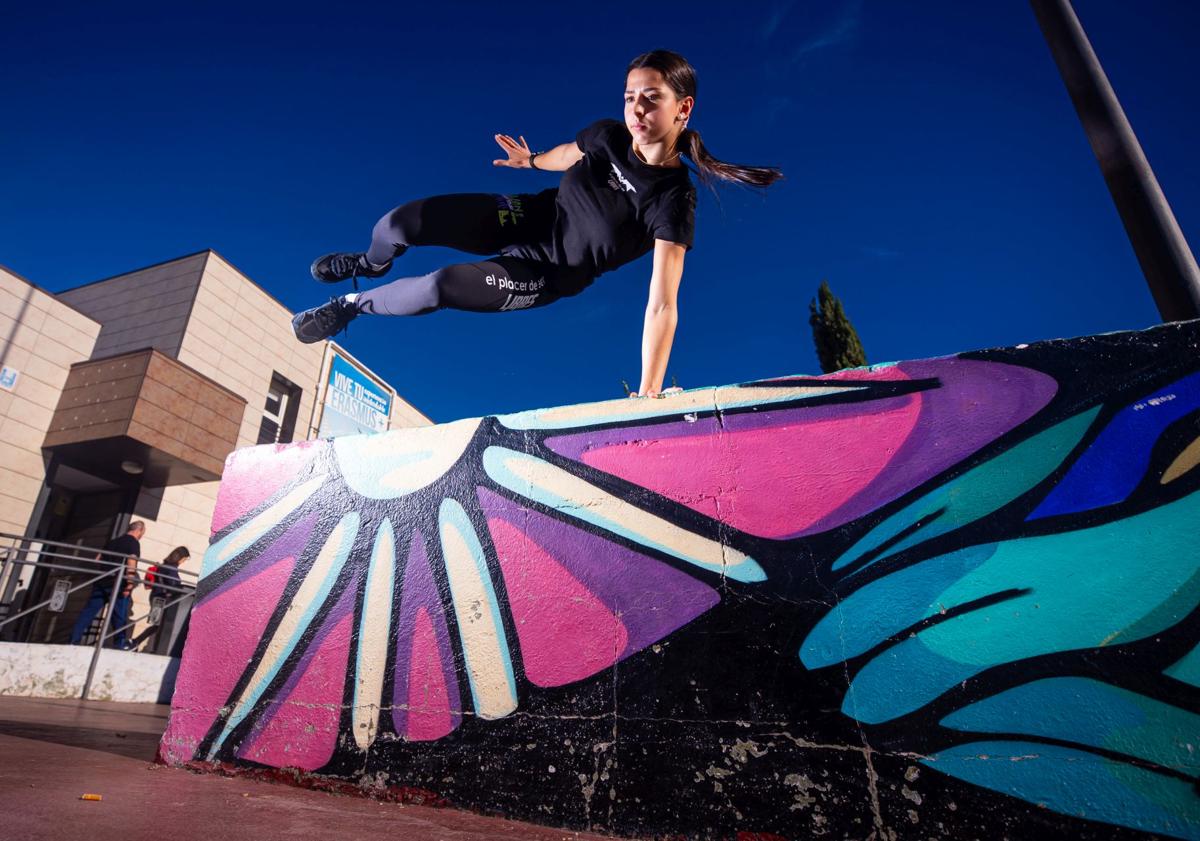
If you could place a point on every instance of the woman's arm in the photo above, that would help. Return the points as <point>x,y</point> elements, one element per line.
<point>658,330</point>
<point>558,159</point>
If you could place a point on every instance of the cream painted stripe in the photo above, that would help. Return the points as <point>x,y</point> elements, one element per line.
<point>296,620</point>
<point>1184,462</point>
<point>373,637</point>
<point>234,544</point>
<point>403,461</point>
<point>556,488</point>
<point>701,400</point>
<point>485,648</point>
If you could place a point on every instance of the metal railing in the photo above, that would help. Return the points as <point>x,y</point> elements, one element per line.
<point>39,566</point>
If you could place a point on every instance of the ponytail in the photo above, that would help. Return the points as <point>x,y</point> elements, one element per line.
<point>680,76</point>
<point>710,168</point>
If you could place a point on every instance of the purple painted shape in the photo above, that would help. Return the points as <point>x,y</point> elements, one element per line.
<point>420,591</point>
<point>278,700</point>
<point>289,545</point>
<point>977,402</point>
<point>651,598</point>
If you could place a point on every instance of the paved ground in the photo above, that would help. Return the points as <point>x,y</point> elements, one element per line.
<point>52,751</point>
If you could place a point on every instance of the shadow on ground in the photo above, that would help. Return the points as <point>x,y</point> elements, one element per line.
<point>133,745</point>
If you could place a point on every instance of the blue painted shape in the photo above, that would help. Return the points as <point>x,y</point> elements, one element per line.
<point>1076,783</point>
<point>1092,713</point>
<point>885,607</point>
<point>1121,581</point>
<point>1117,460</point>
<point>1187,669</point>
<point>913,676</point>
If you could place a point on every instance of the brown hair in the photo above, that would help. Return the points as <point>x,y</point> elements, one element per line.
<point>681,77</point>
<point>177,555</point>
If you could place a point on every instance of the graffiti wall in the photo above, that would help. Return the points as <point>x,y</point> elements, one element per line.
<point>948,598</point>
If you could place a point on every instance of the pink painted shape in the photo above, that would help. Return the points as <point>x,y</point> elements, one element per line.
<point>775,481</point>
<point>254,474</point>
<point>429,714</point>
<point>221,640</point>
<point>566,632</point>
<point>302,732</point>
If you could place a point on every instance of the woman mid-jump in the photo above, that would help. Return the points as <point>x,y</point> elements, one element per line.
<point>624,192</point>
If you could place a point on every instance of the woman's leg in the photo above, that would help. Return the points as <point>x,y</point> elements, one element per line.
<point>497,285</point>
<point>478,223</point>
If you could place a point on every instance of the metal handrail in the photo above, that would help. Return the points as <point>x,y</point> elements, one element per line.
<point>24,551</point>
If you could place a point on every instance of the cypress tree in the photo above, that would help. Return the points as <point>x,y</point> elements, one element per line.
<point>836,339</point>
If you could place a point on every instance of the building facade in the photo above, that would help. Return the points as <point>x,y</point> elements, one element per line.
<point>120,400</point>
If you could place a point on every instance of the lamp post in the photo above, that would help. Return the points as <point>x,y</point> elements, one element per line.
<point>1159,244</point>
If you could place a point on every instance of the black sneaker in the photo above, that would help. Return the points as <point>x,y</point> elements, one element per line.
<point>339,266</point>
<point>323,321</point>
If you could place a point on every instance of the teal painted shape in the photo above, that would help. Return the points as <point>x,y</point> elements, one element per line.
<point>1087,589</point>
<point>1180,602</point>
<point>1187,669</point>
<point>883,608</point>
<point>977,493</point>
<point>913,675</point>
<point>1092,713</point>
<point>1076,783</point>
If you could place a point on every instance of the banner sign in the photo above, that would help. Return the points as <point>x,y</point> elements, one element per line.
<point>354,403</point>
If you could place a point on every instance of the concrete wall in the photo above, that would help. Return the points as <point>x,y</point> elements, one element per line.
<point>940,599</point>
<point>58,671</point>
<point>41,338</point>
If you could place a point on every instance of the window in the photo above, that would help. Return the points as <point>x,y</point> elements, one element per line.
<point>279,414</point>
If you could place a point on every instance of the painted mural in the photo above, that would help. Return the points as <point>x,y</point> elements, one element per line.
<point>942,598</point>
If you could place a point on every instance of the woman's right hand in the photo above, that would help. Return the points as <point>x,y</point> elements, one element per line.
<point>518,153</point>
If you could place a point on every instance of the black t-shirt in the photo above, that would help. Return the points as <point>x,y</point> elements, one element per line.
<point>610,207</point>
<point>125,545</point>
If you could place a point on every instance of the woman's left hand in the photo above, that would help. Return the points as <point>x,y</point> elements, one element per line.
<point>518,153</point>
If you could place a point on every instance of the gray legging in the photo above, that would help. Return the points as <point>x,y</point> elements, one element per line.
<point>479,223</point>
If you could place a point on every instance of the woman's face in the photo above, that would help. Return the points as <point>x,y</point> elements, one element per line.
<point>653,114</point>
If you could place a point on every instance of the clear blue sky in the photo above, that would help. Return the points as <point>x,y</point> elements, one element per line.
<point>937,175</point>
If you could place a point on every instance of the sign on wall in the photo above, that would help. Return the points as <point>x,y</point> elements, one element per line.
<point>354,402</point>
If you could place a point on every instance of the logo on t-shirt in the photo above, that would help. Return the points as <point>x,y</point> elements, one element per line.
<point>618,181</point>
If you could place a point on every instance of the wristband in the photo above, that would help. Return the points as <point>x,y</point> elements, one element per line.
<point>533,155</point>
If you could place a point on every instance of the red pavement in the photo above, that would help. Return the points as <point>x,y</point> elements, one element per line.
<point>52,751</point>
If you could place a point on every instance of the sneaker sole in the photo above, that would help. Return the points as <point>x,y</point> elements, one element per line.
<point>313,271</point>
